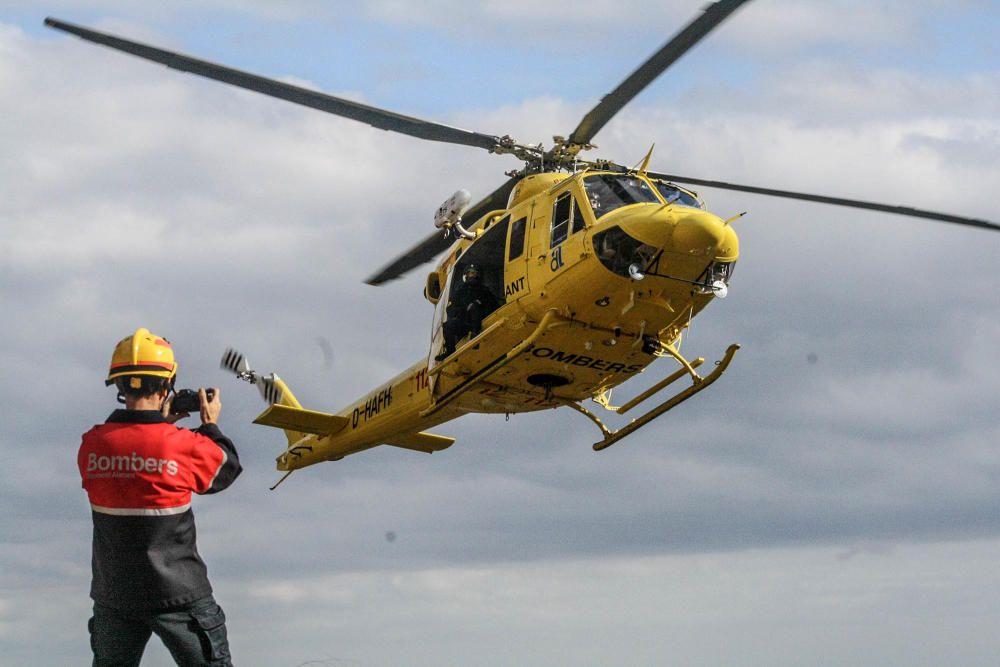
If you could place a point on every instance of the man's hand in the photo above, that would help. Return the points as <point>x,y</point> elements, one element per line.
<point>210,409</point>
<point>171,419</point>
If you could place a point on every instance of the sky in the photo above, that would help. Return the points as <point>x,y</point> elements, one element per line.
<point>833,500</point>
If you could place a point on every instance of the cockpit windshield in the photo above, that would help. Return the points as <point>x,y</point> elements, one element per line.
<point>674,195</point>
<point>607,192</point>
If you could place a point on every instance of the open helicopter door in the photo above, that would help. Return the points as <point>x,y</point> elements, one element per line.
<point>437,324</point>
<point>487,252</point>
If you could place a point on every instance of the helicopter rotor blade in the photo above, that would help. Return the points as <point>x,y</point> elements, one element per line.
<point>836,201</point>
<point>379,118</point>
<point>681,43</point>
<point>433,245</point>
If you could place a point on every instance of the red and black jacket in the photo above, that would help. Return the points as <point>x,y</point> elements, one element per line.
<point>139,472</point>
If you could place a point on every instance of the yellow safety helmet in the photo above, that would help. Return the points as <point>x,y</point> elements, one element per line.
<point>142,353</point>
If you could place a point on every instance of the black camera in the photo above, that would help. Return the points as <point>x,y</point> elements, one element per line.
<point>187,400</point>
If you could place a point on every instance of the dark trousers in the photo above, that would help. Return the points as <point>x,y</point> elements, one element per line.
<point>461,322</point>
<point>194,634</point>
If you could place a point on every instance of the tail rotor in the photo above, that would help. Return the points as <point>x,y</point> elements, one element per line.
<point>269,386</point>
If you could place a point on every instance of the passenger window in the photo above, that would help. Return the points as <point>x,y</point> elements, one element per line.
<point>560,220</point>
<point>565,216</point>
<point>517,239</point>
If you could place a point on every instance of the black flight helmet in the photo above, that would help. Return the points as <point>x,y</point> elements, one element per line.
<point>472,274</point>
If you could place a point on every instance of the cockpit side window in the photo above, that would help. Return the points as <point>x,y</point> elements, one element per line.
<point>607,192</point>
<point>566,216</point>
<point>618,251</point>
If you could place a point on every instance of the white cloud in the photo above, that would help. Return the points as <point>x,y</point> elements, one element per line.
<point>828,605</point>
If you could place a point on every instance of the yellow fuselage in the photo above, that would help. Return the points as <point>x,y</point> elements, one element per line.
<point>605,322</point>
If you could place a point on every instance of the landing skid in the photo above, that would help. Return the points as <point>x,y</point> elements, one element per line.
<point>697,384</point>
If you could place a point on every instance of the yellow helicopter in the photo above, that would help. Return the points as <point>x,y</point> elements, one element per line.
<point>566,281</point>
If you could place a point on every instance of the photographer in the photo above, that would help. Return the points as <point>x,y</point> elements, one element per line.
<point>139,471</point>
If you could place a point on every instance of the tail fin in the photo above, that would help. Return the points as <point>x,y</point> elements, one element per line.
<point>272,389</point>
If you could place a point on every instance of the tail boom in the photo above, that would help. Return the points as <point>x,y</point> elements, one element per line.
<point>388,415</point>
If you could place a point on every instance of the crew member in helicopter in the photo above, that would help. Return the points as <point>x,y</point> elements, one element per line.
<point>470,302</point>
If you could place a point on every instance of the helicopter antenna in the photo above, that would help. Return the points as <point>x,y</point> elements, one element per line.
<point>644,165</point>
<point>283,478</point>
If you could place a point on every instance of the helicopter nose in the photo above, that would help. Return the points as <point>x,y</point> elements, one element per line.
<point>684,231</point>
<point>700,233</point>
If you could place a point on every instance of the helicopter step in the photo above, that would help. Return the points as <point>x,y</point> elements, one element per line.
<point>698,383</point>
<point>472,344</point>
<point>549,321</point>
